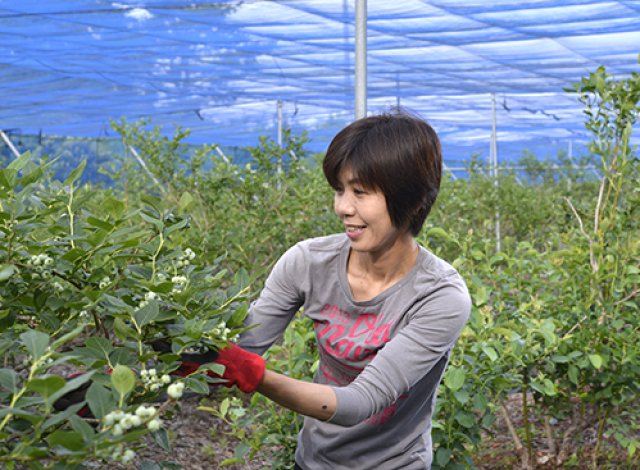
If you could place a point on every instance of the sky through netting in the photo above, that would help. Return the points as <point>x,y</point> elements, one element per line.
<point>219,67</point>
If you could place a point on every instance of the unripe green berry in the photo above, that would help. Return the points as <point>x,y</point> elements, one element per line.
<point>154,424</point>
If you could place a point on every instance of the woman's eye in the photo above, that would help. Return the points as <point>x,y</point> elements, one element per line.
<point>359,191</point>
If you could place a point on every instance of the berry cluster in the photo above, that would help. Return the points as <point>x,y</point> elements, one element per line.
<point>175,390</point>
<point>41,266</point>
<point>186,258</point>
<point>120,421</point>
<point>104,283</point>
<point>123,456</point>
<point>179,283</point>
<point>147,297</point>
<point>151,381</point>
<point>222,332</point>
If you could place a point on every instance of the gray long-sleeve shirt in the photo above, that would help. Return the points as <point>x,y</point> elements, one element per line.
<point>384,357</point>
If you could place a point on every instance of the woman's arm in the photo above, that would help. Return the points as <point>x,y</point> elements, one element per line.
<point>307,398</point>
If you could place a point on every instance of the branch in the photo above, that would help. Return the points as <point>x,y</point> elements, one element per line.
<point>628,297</point>
<point>596,216</point>
<point>592,259</point>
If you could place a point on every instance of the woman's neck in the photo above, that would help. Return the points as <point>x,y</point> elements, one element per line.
<point>370,274</point>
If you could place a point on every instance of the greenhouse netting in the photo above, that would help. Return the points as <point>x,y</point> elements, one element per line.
<point>227,69</point>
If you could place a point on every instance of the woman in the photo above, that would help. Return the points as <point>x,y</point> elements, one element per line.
<point>386,311</point>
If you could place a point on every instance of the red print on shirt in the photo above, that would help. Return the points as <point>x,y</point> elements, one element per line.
<point>340,339</point>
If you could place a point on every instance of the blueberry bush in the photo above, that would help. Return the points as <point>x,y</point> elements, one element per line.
<point>93,278</point>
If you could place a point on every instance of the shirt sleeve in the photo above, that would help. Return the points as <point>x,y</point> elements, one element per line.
<point>408,357</point>
<point>279,300</point>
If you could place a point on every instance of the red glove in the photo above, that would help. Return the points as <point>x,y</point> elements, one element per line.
<point>192,362</point>
<point>242,368</point>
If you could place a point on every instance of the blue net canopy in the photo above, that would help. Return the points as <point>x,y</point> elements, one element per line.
<point>219,68</point>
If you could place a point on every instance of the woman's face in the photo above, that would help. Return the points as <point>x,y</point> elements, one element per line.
<point>365,216</point>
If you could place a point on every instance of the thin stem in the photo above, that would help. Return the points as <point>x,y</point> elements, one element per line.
<point>525,416</point>
<point>156,254</point>
<point>601,424</point>
<point>16,396</point>
<point>551,442</point>
<point>71,218</point>
<point>512,430</point>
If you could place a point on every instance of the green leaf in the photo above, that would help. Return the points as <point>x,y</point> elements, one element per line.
<point>177,226</point>
<point>572,372</point>
<point>20,162</point>
<point>438,232</point>
<point>123,379</point>
<point>100,347</point>
<point>224,407</point>
<point>67,337</point>
<point>161,437</point>
<point>216,368</point>
<point>462,396</point>
<point>9,379</point>
<point>159,224</point>
<point>465,419</point>
<point>149,465</point>
<point>36,342</point>
<point>560,359</point>
<point>549,388</point>
<point>113,206</point>
<point>480,296</point>
<point>95,222</point>
<point>82,427</point>
<point>75,174</point>
<point>186,201</point>
<point>146,314</point>
<point>123,331</point>
<point>549,336</point>
<point>100,400</point>
<point>46,386</point>
<point>31,177</point>
<point>197,386</point>
<point>62,416</point>
<point>443,456</point>
<point>193,328</point>
<point>490,352</point>
<point>596,360</point>
<point>454,378</point>
<point>71,440</point>
<point>6,271</point>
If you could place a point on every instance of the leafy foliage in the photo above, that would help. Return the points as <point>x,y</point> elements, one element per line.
<point>90,277</point>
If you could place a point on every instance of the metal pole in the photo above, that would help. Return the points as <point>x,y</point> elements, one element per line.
<point>446,168</point>
<point>280,123</point>
<point>222,155</point>
<point>7,141</point>
<point>494,164</point>
<point>361,59</point>
<point>146,169</point>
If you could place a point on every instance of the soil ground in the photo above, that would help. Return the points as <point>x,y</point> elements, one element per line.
<point>199,442</point>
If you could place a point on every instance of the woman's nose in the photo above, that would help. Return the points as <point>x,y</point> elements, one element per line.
<point>342,204</point>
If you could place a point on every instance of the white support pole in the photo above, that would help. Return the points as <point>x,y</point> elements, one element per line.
<point>446,168</point>
<point>494,165</point>
<point>280,123</point>
<point>222,155</point>
<point>361,59</point>
<point>7,141</point>
<point>146,169</point>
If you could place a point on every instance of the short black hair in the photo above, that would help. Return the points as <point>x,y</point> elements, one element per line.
<point>396,153</point>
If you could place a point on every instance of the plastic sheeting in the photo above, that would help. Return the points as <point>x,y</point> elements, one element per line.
<point>219,67</point>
